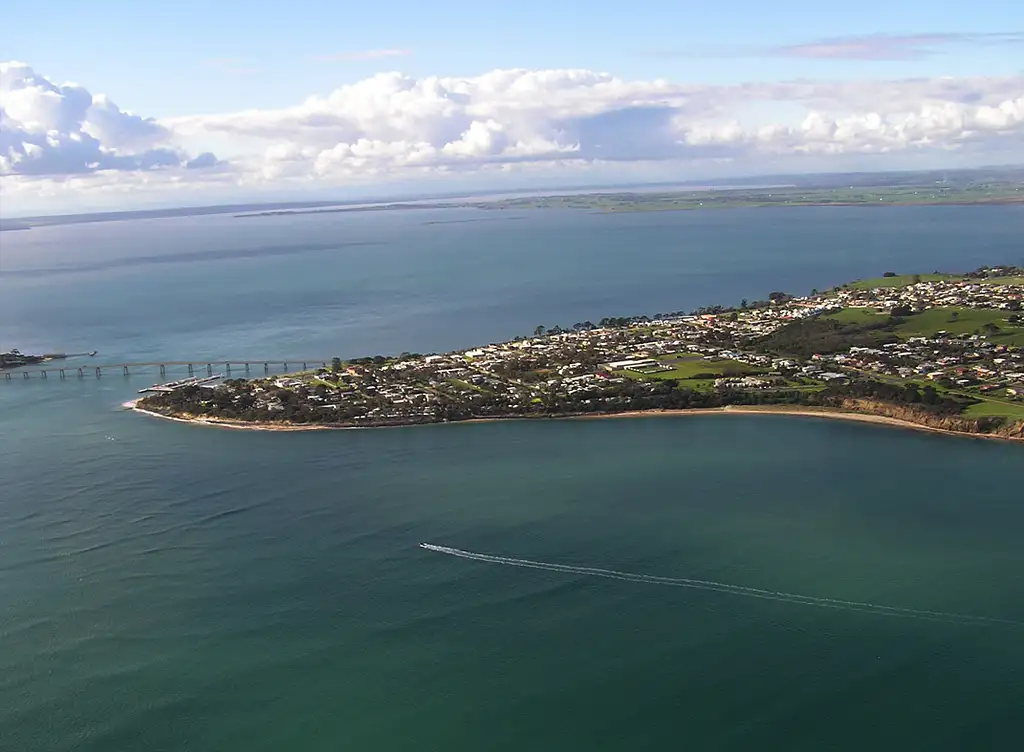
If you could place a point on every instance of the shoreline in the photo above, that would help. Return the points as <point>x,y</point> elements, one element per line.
<point>687,195</point>
<point>799,412</point>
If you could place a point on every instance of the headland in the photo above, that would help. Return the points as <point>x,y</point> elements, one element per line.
<point>937,352</point>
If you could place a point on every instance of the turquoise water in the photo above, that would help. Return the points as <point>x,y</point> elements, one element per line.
<point>165,587</point>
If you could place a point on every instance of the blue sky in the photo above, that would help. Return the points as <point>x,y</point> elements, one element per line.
<point>167,62</point>
<point>198,56</point>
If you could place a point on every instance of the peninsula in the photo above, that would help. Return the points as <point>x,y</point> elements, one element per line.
<point>936,351</point>
<point>957,187</point>
<point>710,198</point>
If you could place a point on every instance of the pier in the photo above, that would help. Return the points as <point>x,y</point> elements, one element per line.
<point>193,368</point>
<point>172,386</point>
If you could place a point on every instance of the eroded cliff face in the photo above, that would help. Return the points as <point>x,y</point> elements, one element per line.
<point>1011,430</point>
<point>985,426</point>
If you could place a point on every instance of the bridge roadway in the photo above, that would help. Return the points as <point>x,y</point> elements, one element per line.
<point>192,365</point>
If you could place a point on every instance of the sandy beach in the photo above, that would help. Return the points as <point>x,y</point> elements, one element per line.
<point>805,412</point>
<point>238,425</point>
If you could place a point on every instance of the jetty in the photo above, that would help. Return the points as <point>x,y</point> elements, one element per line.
<point>192,367</point>
<point>172,386</point>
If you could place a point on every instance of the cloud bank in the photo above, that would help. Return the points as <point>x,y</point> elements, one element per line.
<point>395,126</point>
<point>392,121</point>
<point>51,131</point>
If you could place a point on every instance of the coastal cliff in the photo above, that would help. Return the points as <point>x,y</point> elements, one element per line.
<point>994,427</point>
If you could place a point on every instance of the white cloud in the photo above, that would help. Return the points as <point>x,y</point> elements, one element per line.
<point>56,131</point>
<point>395,126</point>
<point>942,126</point>
<point>391,122</point>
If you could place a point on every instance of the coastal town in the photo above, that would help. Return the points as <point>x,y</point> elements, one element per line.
<point>945,345</point>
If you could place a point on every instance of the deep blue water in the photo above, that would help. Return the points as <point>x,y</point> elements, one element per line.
<point>167,587</point>
<point>358,284</point>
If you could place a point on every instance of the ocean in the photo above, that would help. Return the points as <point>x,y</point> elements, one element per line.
<point>716,582</point>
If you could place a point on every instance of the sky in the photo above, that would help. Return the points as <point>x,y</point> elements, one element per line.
<point>116,104</point>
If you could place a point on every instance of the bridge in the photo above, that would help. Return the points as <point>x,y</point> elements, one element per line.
<point>192,366</point>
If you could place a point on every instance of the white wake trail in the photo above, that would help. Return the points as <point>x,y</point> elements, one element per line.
<point>723,587</point>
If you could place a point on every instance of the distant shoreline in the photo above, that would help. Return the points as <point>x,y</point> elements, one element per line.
<point>629,209</point>
<point>800,412</point>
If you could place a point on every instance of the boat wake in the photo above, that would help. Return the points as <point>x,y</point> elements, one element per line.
<point>722,587</point>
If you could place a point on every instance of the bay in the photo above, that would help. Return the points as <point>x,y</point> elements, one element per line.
<point>165,587</point>
<point>358,284</point>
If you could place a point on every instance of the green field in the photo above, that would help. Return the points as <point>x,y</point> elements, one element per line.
<point>901,280</point>
<point>691,366</point>
<point>858,316</point>
<point>1003,281</point>
<point>991,408</point>
<point>928,323</point>
<point>962,321</point>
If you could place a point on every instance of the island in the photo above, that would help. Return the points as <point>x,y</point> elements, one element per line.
<point>941,352</point>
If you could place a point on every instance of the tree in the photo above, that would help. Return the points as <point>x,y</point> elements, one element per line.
<point>954,315</point>
<point>539,331</point>
<point>990,327</point>
<point>743,303</point>
<point>335,364</point>
<point>902,311</point>
<point>778,297</point>
<point>916,279</point>
<point>889,274</point>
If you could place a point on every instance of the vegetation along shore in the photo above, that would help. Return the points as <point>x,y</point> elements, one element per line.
<point>941,352</point>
